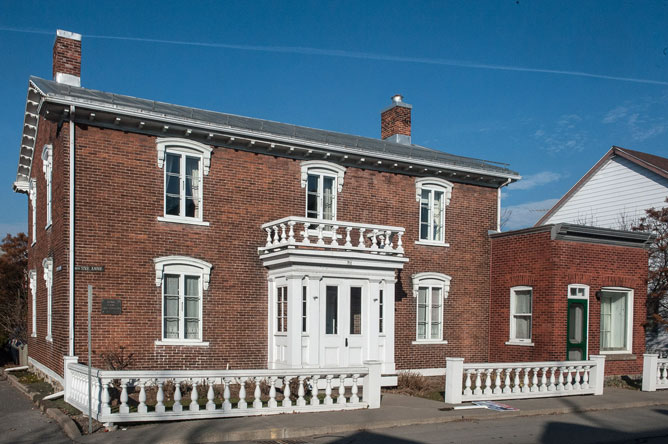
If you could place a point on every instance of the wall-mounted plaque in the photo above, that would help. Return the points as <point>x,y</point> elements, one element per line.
<point>111,306</point>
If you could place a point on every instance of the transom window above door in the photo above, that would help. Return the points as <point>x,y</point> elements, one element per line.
<point>434,195</point>
<point>323,181</point>
<point>185,163</point>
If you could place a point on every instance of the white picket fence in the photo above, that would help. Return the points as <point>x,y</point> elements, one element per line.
<point>228,393</point>
<point>490,381</point>
<point>654,373</point>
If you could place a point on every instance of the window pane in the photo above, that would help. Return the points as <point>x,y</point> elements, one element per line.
<point>192,285</point>
<point>575,318</point>
<point>312,197</point>
<point>171,306</point>
<point>191,208</point>
<point>422,330</point>
<point>192,308</point>
<point>438,211</point>
<point>331,310</point>
<point>173,163</point>
<point>522,327</point>
<point>523,301</point>
<point>422,305</point>
<point>435,313</point>
<point>171,328</point>
<point>424,215</point>
<point>173,184</point>
<point>171,284</point>
<point>172,205</point>
<point>613,320</point>
<point>304,312</point>
<point>328,198</point>
<point>355,311</point>
<point>380,312</point>
<point>192,329</point>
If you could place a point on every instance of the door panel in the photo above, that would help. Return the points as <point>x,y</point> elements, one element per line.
<point>576,340</point>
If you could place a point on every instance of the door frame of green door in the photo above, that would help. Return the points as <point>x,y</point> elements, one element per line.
<point>585,342</point>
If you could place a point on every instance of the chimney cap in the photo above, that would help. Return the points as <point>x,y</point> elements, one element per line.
<point>397,98</point>
<point>68,35</point>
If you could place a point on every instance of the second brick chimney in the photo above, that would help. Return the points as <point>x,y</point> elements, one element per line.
<point>395,121</point>
<point>67,58</point>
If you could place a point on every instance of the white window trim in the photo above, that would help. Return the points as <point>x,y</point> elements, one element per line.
<point>47,167</point>
<point>305,310</point>
<point>432,280</point>
<point>325,169</point>
<point>33,292</point>
<point>32,193</point>
<point>435,184</point>
<point>629,322</point>
<point>182,265</point>
<point>513,340</point>
<point>190,148</point>
<point>47,264</point>
<point>586,289</point>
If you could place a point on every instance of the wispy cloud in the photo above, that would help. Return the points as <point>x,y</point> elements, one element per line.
<point>526,214</point>
<point>535,180</point>
<point>359,55</point>
<point>566,134</point>
<point>615,114</point>
<point>641,118</point>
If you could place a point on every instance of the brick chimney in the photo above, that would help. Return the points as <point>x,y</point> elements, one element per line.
<point>67,58</point>
<point>395,121</point>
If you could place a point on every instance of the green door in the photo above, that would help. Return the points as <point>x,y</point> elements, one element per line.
<point>576,344</point>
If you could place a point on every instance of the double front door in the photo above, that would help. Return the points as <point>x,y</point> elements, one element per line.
<point>344,324</point>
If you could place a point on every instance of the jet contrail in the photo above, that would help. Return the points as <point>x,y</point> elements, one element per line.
<point>359,55</point>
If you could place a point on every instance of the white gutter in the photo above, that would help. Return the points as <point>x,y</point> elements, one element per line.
<point>498,205</point>
<point>70,268</point>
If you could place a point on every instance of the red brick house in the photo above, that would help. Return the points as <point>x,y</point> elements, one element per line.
<point>218,241</point>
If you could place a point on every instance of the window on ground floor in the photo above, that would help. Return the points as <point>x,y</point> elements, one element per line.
<point>430,289</point>
<point>616,320</point>
<point>520,314</point>
<point>282,309</point>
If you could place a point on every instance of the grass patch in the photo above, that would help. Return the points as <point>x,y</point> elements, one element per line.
<point>414,384</point>
<point>624,382</point>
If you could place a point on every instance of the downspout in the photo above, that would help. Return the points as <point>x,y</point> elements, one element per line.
<point>70,268</point>
<point>498,205</point>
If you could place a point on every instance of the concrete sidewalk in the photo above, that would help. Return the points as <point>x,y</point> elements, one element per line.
<point>395,411</point>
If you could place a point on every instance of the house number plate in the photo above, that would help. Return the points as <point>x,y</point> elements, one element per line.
<point>111,306</point>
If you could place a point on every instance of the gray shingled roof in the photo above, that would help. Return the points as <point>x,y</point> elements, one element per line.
<point>374,147</point>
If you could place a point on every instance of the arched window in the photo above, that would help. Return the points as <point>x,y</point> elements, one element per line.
<point>322,180</point>
<point>434,195</point>
<point>430,289</point>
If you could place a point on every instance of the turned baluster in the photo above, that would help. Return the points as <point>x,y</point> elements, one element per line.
<point>301,402</point>
<point>242,394</point>
<point>287,402</point>
<point>568,385</point>
<point>664,372</point>
<point>178,407</point>
<point>141,408</point>
<point>272,393</point>
<point>525,380</point>
<point>361,243</point>
<point>314,390</point>
<point>348,243</point>
<point>194,396</point>
<point>283,233</point>
<point>334,242</point>
<point>277,235</point>
<point>585,377</point>
<point>560,380</point>
<point>210,395</point>
<point>257,402</point>
<point>400,244</point>
<point>227,405</point>
<point>291,232</point>
<point>506,381</point>
<point>552,387</point>
<point>328,390</point>
<point>497,381</point>
<point>388,240</point>
<point>467,383</point>
<point>268,244</point>
<point>106,408</point>
<point>478,383</point>
<point>159,397</point>
<point>305,239</point>
<point>543,380</point>
<point>488,381</point>
<point>342,390</point>
<point>534,380</point>
<point>354,399</point>
<point>576,380</point>
<point>374,240</point>
<point>321,240</point>
<point>516,381</point>
<point>124,408</point>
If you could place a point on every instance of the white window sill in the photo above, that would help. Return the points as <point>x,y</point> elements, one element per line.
<point>432,243</point>
<point>182,343</point>
<point>615,352</point>
<point>34,335</point>
<point>281,334</point>
<point>525,344</point>
<point>428,342</point>
<point>183,220</point>
<point>49,339</point>
<point>47,226</point>
<point>33,243</point>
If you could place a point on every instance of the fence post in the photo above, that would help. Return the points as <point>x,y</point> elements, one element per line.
<point>454,373</point>
<point>67,376</point>
<point>371,383</point>
<point>650,365</point>
<point>597,377</point>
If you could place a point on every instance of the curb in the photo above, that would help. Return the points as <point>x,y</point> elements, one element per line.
<point>65,422</point>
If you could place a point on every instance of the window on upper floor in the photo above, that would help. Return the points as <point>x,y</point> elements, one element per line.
<point>323,181</point>
<point>185,163</point>
<point>616,320</point>
<point>47,167</point>
<point>434,195</point>
<point>33,306</point>
<point>32,193</point>
<point>47,265</point>
<point>183,280</point>
<point>521,310</point>
<point>430,289</point>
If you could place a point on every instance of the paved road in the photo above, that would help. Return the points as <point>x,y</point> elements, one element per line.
<point>21,422</point>
<point>642,425</point>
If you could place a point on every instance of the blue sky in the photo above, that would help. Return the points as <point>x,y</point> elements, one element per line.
<point>547,87</point>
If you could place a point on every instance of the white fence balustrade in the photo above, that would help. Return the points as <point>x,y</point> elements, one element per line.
<point>291,232</point>
<point>654,373</point>
<point>478,382</point>
<point>145,395</point>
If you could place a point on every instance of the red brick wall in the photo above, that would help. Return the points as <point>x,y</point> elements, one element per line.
<point>67,56</point>
<point>549,266</point>
<point>396,120</point>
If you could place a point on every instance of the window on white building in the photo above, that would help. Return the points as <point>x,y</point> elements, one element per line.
<point>33,293</point>
<point>430,289</point>
<point>616,320</point>
<point>185,163</point>
<point>380,312</point>
<point>47,265</point>
<point>434,196</point>
<point>304,308</point>
<point>282,310</point>
<point>323,181</point>
<point>47,167</point>
<point>520,314</point>
<point>183,280</point>
<point>332,310</point>
<point>32,192</point>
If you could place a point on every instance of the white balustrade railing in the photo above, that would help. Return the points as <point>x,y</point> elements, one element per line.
<point>293,231</point>
<point>159,395</point>
<point>489,381</point>
<point>654,373</point>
